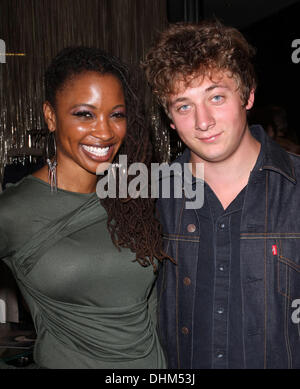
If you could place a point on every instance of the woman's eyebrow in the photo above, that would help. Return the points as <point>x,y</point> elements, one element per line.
<point>84,105</point>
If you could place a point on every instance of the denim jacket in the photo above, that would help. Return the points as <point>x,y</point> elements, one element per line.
<point>269,266</point>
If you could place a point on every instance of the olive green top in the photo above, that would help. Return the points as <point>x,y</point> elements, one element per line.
<point>89,302</point>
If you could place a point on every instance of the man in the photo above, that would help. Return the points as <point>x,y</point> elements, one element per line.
<point>229,300</point>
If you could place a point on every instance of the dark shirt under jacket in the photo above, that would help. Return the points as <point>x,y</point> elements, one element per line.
<point>218,312</point>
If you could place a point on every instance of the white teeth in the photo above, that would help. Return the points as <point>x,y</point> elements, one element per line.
<point>98,151</point>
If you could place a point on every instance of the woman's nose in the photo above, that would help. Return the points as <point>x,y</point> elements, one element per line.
<point>102,130</point>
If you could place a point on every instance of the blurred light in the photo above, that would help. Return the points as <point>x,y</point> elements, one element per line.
<point>15,54</point>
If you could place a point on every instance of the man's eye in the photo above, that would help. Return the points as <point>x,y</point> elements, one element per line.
<point>217,98</point>
<point>183,108</point>
<point>84,114</point>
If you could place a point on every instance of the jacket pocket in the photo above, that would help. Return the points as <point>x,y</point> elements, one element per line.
<point>288,268</point>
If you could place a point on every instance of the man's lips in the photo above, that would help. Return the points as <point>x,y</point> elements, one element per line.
<point>209,139</point>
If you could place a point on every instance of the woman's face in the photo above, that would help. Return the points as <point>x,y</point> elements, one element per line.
<point>89,121</point>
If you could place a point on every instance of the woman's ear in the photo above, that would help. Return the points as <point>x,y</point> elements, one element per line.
<point>49,115</point>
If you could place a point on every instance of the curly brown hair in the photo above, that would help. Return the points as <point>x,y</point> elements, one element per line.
<point>185,51</point>
<point>131,221</point>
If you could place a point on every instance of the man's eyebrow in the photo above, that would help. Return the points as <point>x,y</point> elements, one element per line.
<point>208,89</point>
<point>178,100</point>
<point>214,86</point>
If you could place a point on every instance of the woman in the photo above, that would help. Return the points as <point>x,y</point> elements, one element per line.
<point>85,267</point>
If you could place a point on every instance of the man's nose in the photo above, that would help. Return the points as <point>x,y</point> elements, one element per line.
<point>204,118</point>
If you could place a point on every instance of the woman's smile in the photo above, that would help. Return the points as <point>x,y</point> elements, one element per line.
<point>98,153</point>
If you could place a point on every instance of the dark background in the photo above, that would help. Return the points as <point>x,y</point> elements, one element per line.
<point>278,76</point>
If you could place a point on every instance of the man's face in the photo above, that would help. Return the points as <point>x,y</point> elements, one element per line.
<point>210,118</point>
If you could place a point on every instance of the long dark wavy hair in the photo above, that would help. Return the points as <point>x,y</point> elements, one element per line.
<point>131,221</point>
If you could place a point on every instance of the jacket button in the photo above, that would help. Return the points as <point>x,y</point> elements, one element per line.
<point>185,330</point>
<point>187,281</point>
<point>191,228</point>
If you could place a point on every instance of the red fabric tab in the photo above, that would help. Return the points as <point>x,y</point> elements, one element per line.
<point>274,249</point>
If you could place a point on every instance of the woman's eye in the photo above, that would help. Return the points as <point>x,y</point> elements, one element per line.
<point>118,115</point>
<point>84,114</point>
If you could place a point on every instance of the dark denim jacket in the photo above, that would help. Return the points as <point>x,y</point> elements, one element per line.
<point>269,266</point>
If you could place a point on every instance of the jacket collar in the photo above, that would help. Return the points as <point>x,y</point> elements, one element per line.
<point>275,158</point>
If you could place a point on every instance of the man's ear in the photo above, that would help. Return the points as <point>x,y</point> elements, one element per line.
<point>250,101</point>
<point>49,115</point>
<point>172,125</point>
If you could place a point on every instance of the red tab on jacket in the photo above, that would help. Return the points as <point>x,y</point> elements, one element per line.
<point>274,249</point>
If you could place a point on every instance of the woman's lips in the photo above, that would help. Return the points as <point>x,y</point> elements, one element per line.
<point>97,153</point>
